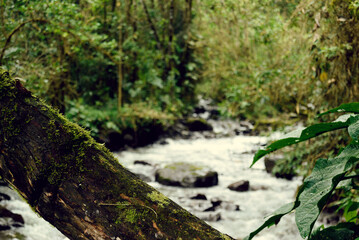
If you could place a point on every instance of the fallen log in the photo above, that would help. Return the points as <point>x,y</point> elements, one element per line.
<point>75,183</point>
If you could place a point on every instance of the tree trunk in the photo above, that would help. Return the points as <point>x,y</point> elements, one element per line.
<point>77,184</point>
<point>120,73</point>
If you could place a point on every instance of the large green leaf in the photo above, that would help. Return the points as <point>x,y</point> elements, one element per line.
<point>347,107</point>
<point>317,188</point>
<point>274,219</point>
<point>307,133</point>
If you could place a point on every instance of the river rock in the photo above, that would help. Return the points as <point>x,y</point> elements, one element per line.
<point>209,217</point>
<point>4,196</point>
<point>186,175</point>
<point>14,220</point>
<point>199,196</point>
<point>142,162</point>
<point>240,186</point>
<point>218,204</point>
<point>143,177</point>
<point>198,124</point>
<point>269,162</point>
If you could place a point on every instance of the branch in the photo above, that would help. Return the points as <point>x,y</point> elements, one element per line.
<point>350,177</point>
<point>153,27</point>
<point>15,30</point>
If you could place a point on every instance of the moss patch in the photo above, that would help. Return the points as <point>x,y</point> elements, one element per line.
<point>158,197</point>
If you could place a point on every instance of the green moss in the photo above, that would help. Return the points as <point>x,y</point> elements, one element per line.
<point>131,216</point>
<point>10,127</point>
<point>158,197</point>
<point>7,85</point>
<point>132,213</point>
<point>226,237</point>
<point>57,173</point>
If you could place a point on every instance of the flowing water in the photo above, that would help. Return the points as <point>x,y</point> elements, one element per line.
<point>230,157</point>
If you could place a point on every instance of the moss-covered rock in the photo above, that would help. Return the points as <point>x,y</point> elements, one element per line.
<point>186,175</point>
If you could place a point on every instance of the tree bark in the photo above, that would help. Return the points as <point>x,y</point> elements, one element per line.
<point>77,184</point>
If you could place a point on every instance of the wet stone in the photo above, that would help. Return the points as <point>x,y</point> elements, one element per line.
<point>10,219</point>
<point>240,186</point>
<point>199,197</point>
<point>209,217</point>
<point>4,196</point>
<point>270,161</point>
<point>186,175</point>
<point>142,162</point>
<point>144,177</point>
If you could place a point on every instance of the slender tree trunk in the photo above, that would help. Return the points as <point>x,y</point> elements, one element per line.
<point>131,22</point>
<point>105,16</point>
<point>170,48</point>
<point>120,68</point>
<point>75,183</point>
<point>2,17</point>
<point>153,27</point>
<point>114,3</point>
<point>120,74</point>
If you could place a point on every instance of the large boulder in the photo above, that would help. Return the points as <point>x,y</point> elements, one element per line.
<point>186,175</point>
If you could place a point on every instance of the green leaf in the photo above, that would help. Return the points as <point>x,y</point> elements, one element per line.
<point>274,219</point>
<point>317,188</point>
<point>305,134</point>
<point>156,81</point>
<point>347,107</point>
<point>339,232</point>
<point>351,212</point>
<point>353,130</point>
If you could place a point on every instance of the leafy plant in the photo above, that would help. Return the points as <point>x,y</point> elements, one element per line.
<point>327,175</point>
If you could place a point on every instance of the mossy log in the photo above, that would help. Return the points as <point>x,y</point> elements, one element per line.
<point>75,183</point>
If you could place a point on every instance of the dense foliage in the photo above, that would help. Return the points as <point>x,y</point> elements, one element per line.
<point>135,51</point>
<point>243,54</point>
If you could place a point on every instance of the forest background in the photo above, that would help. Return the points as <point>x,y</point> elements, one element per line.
<point>111,65</point>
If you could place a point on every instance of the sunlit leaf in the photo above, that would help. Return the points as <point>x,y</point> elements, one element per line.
<point>305,134</point>
<point>347,107</point>
<point>351,212</point>
<point>156,81</point>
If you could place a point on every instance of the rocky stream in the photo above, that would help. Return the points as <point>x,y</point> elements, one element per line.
<point>209,176</point>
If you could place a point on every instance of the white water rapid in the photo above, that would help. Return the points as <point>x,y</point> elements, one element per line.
<point>230,157</point>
